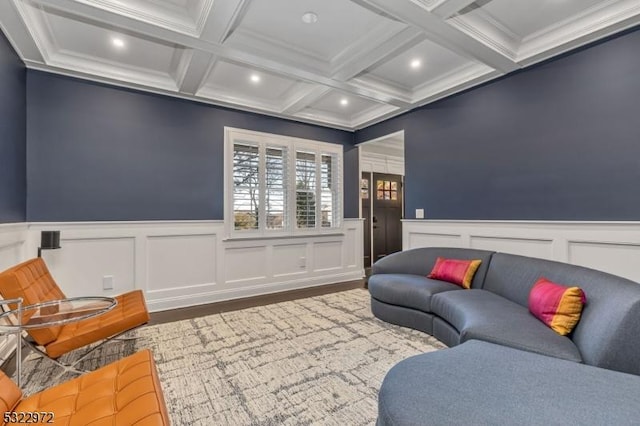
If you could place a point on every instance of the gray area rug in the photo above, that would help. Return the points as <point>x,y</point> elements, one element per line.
<point>319,360</point>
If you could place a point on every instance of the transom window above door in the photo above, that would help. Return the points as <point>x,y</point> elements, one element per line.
<point>279,185</point>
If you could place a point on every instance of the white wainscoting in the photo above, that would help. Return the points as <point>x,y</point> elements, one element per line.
<point>13,239</point>
<point>185,263</point>
<point>612,247</point>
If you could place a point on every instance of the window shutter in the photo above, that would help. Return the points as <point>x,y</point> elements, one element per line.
<point>305,189</point>
<point>246,186</point>
<point>330,203</point>
<point>276,188</point>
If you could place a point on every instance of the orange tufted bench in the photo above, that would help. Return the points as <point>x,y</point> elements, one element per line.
<point>32,281</point>
<point>126,392</point>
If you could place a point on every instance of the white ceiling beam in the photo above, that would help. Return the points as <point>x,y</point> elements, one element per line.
<point>230,54</point>
<point>224,19</point>
<point>442,33</point>
<point>196,73</point>
<point>303,99</point>
<point>379,53</point>
<point>448,8</point>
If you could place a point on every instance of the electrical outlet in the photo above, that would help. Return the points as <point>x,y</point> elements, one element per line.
<point>107,282</point>
<point>419,213</point>
<point>302,262</point>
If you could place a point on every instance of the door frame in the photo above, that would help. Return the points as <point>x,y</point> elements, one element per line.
<point>360,146</point>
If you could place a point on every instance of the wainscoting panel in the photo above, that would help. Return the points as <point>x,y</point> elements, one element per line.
<point>289,260</point>
<point>176,262</point>
<point>245,263</point>
<point>619,259</point>
<point>185,263</point>
<point>612,247</point>
<point>532,247</point>
<point>351,240</point>
<point>327,256</point>
<point>98,258</point>
<point>434,240</point>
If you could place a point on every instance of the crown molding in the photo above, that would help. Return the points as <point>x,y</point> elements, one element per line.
<point>174,22</point>
<point>593,24</point>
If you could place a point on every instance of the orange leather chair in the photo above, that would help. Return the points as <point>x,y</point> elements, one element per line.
<point>126,392</point>
<point>32,281</point>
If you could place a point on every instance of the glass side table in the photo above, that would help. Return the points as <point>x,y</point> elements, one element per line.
<point>49,314</point>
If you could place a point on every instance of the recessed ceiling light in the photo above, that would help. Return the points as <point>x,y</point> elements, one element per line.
<point>416,63</point>
<point>309,18</point>
<point>117,42</point>
<point>344,102</point>
<point>255,78</point>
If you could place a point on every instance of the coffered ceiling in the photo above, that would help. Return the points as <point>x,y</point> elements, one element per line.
<point>355,63</point>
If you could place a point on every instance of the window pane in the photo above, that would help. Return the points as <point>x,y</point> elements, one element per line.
<point>327,194</point>
<point>276,178</point>
<point>380,184</point>
<point>305,189</point>
<point>394,186</point>
<point>246,190</point>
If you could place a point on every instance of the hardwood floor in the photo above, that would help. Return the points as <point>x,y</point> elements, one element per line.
<point>249,302</point>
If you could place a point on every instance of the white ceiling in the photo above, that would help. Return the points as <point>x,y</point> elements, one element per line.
<point>348,70</point>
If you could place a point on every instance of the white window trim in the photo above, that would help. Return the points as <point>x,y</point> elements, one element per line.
<point>292,144</point>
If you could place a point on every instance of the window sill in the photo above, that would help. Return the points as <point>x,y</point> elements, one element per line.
<point>337,233</point>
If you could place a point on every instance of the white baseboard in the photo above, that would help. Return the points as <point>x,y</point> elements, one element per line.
<point>612,247</point>
<point>249,291</point>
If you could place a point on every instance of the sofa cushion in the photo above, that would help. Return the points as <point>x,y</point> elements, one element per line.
<point>556,305</point>
<point>478,383</point>
<point>420,261</point>
<point>411,291</point>
<point>607,334</point>
<point>482,315</point>
<point>455,271</point>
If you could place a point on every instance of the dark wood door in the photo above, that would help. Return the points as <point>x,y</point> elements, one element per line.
<point>386,195</point>
<point>365,197</point>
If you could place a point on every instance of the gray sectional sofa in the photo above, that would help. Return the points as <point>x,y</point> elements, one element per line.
<point>494,315</point>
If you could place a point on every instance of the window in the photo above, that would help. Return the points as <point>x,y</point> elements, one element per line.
<point>386,190</point>
<point>277,185</point>
<point>305,189</point>
<point>246,188</point>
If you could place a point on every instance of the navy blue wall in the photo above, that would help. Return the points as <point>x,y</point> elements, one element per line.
<point>97,152</point>
<point>12,135</point>
<point>558,141</point>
